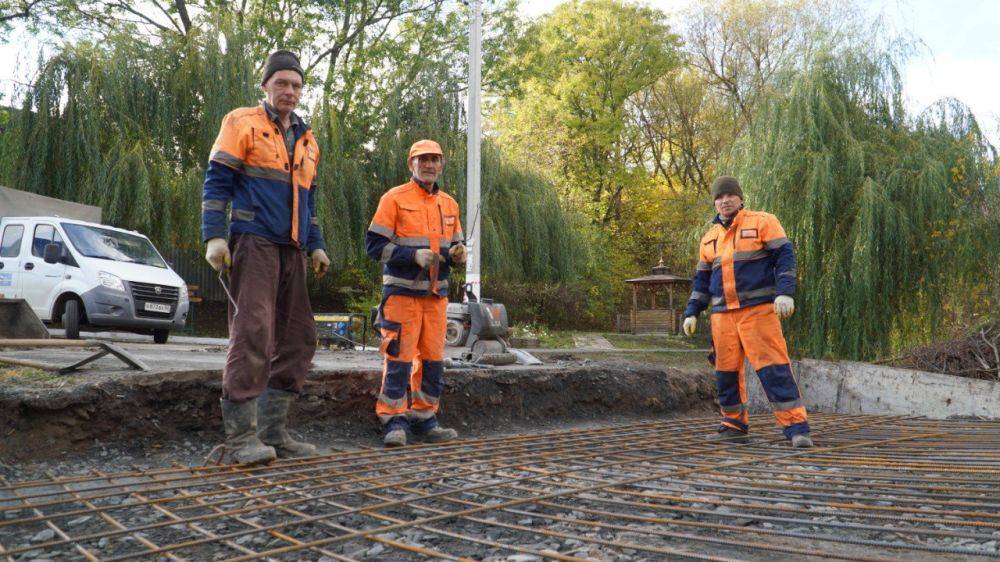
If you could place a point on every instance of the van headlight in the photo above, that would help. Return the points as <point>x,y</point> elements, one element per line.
<point>110,281</point>
<point>182,293</point>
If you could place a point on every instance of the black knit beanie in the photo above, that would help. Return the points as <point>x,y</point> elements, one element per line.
<point>281,60</point>
<point>726,184</point>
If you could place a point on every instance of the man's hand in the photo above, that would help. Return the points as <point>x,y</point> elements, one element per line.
<point>217,254</point>
<point>784,306</point>
<point>457,253</point>
<point>426,258</point>
<point>690,324</point>
<point>320,262</point>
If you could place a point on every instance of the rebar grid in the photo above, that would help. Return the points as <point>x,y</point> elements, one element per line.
<point>875,488</point>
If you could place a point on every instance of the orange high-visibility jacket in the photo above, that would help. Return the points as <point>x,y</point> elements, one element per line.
<point>272,196</point>
<point>409,218</point>
<point>749,263</point>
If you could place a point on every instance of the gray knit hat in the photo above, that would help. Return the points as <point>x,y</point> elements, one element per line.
<point>281,60</point>
<point>726,184</point>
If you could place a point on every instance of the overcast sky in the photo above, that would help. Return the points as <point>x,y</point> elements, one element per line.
<point>961,59</point>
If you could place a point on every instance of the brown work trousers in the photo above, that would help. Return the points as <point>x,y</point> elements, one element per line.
<point>272,337</point>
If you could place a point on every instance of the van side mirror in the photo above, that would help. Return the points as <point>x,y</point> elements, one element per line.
<point>53,253</point>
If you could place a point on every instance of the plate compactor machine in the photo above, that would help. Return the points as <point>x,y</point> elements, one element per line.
<point>483,327</point>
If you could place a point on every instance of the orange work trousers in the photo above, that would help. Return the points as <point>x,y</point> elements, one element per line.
<point>413,330</point>
<point>755,333</point>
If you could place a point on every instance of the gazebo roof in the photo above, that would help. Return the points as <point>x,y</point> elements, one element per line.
<point>659,276</point>
<point>658,279</point>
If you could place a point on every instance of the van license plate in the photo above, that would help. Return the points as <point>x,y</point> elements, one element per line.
<point>156,307</point>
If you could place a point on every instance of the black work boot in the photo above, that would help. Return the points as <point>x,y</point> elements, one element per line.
<point>729,435</point>
<point>272,416</point>
<point>429,431</point>
<point>438,434</point>
<point>242,445</point>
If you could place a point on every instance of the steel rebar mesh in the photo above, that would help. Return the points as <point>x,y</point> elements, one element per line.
<point>875,488</point>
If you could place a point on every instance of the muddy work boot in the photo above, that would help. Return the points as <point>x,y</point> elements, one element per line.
<point>242,445</point>
<point>395,438</point>
<point>802,441</point>
<point>438,434</point>
<point>727,434</point>
<point>272,421</point>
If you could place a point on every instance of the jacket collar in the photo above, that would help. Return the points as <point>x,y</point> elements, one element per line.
<point>432,190</point>
<point>727,223</point>
<point>294,119</point>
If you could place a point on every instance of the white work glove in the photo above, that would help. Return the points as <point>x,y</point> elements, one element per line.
<point>457,253</point>
<point>690,324</point>
<point>217,254</point>
<point>784,306</point>
<point>426,258</point>
<point>320,262</point>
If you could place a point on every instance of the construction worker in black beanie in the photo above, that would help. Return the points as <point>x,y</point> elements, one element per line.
<point>263,166</point>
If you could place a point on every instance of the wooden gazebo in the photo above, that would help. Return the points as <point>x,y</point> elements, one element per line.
<point>648,314</point>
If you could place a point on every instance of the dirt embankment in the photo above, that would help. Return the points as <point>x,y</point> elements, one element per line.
<point>38,423</point>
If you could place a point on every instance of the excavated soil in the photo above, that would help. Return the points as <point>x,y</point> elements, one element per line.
<point>39,422</point>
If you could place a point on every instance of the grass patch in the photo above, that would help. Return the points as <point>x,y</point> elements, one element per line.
<point>648,341</point>
<point>557,339</point>
<point>683,361</point>
<point>30,376</point>
<point>546,337</point>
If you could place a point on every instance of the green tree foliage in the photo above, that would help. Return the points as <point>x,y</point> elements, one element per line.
<point>127,123</point>
<point>890,216</point>
<point>581,65</point>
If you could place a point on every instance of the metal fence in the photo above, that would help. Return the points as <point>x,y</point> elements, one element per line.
<point>195,271</point>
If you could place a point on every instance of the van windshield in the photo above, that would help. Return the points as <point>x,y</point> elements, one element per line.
<point>107,244</point>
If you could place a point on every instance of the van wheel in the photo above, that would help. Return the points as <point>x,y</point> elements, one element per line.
<point>160,335</point>
<point>71,319</point>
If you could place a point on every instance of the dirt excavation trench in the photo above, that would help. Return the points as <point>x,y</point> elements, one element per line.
<point>160,408</point>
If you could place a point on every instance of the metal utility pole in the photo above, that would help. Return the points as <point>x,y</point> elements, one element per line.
<point>473,170</point>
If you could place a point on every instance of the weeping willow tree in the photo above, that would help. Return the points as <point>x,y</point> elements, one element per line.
<point>889,214</point>
<point>127,125</point>
<point>122,126</point>
<point>526,235</point>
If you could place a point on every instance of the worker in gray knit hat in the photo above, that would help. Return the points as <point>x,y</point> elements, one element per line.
<point>263,170</point>
<point>746,274</point>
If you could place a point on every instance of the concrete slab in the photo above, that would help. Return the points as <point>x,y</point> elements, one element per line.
<point>591,341</point>
<point>849,387</point>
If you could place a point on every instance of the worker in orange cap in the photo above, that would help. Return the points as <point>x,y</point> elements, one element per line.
<point>417,237</point>
<point>746,272</point>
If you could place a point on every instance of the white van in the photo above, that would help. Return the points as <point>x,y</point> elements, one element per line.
<point>82,273</point>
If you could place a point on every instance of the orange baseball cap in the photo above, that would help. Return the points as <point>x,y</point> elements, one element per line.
<point>425,147</point>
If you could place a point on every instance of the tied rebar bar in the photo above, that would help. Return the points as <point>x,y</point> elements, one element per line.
<point>874,488</point>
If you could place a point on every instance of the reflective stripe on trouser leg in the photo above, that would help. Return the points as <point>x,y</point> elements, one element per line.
<point>734,412</point>
<point>392,397</point>
<point>729,373</point>
<point>760,330</point>
<point>426,389</point>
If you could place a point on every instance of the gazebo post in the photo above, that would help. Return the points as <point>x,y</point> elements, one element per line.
<point>635,306</point>
<point>652,297</point>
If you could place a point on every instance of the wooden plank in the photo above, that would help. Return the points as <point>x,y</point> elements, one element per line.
<point>28,363</point>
